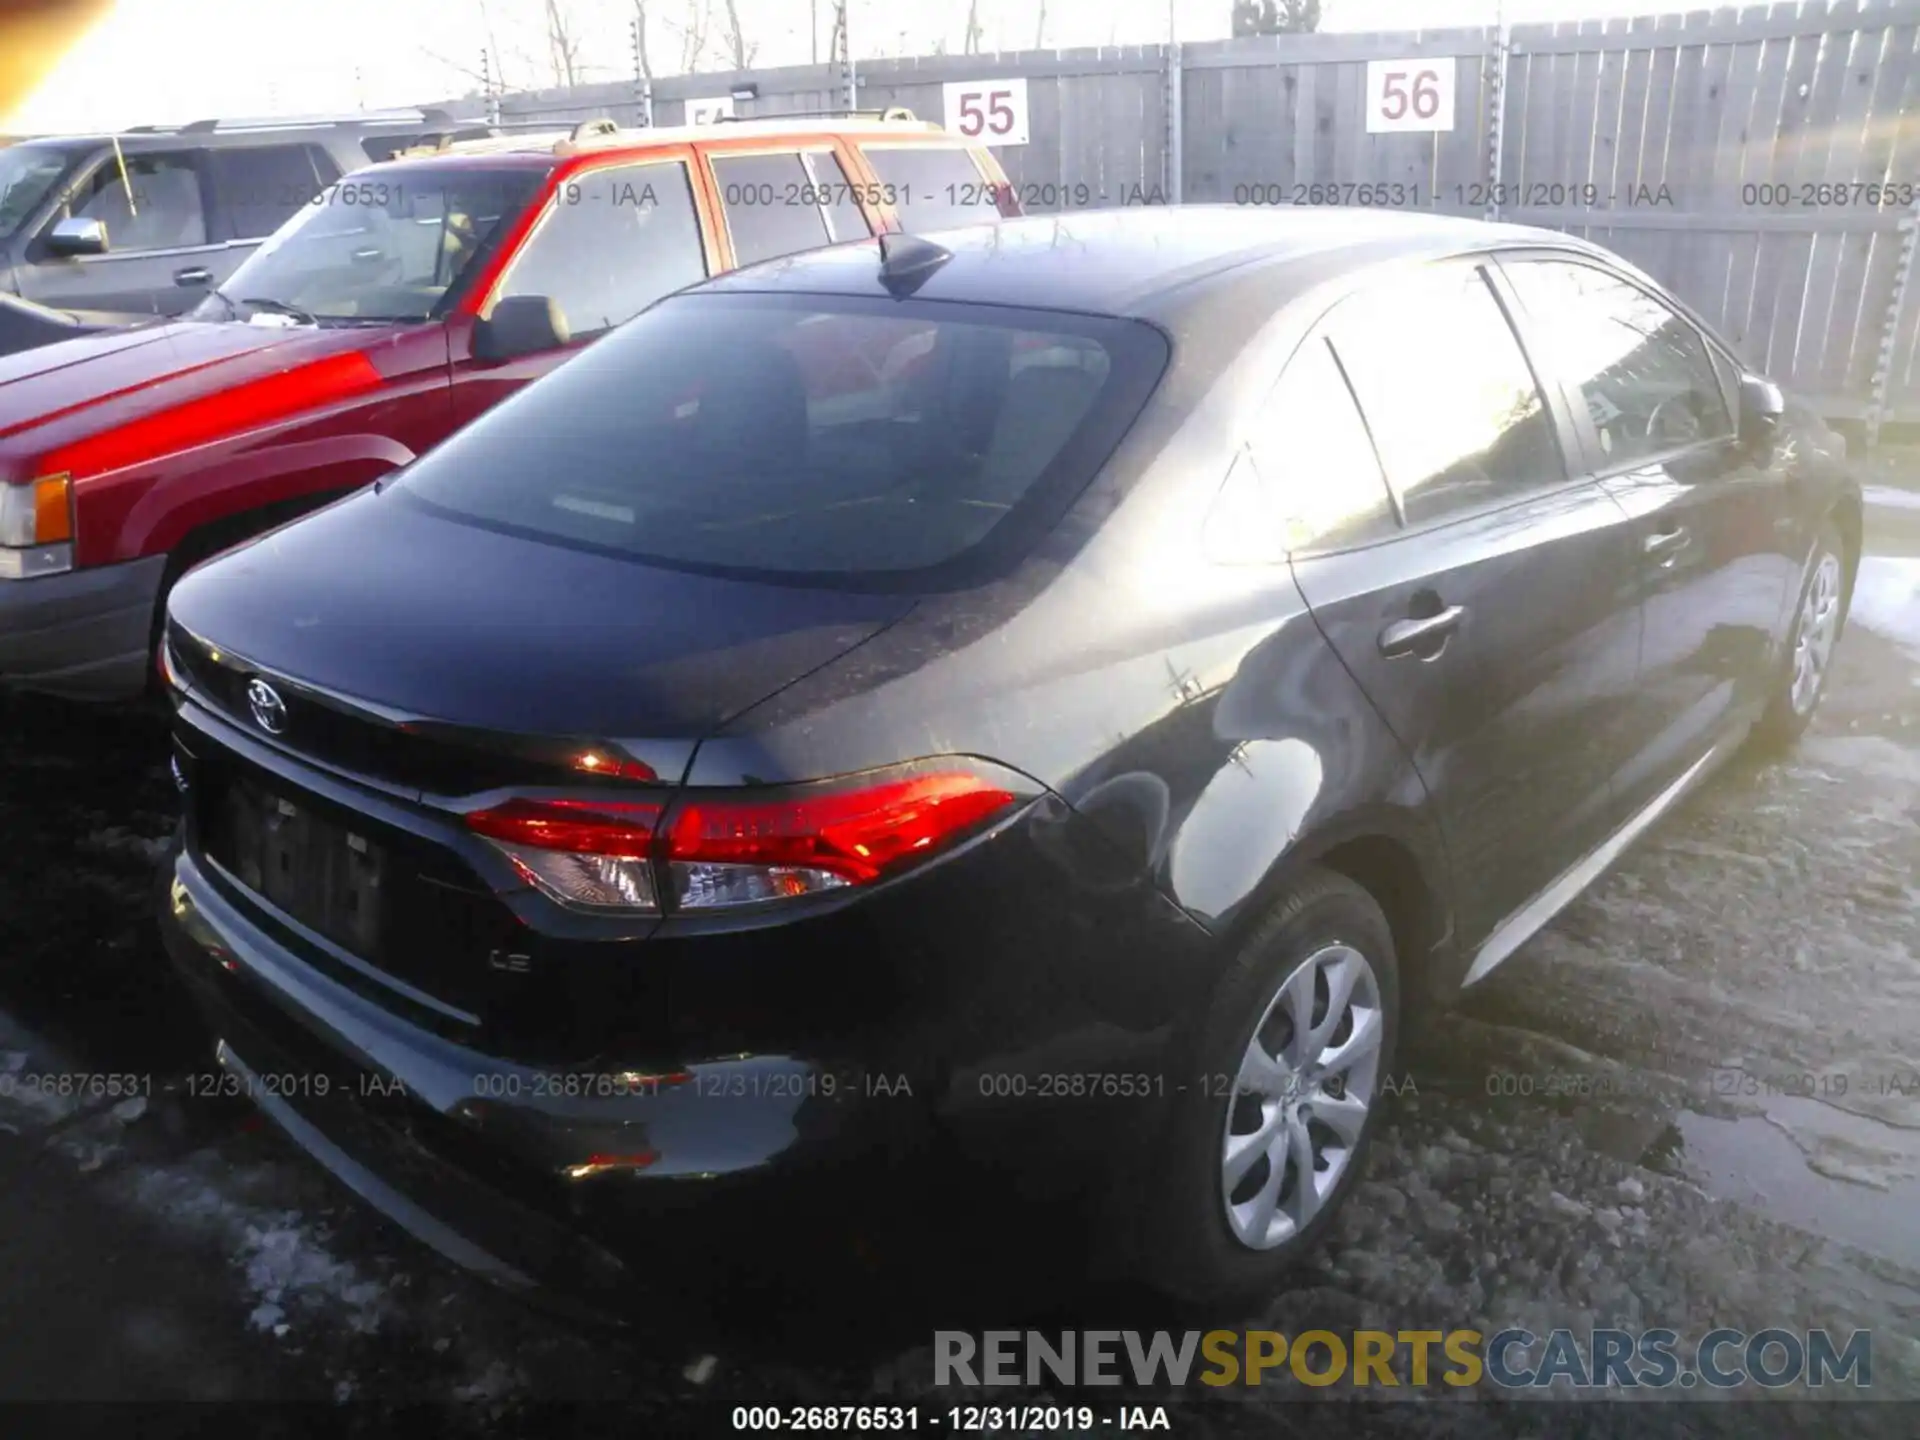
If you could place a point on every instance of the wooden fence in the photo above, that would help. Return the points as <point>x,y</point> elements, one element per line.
<point>1763,161</point>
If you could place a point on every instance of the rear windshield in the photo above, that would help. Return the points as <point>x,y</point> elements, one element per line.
<point>868,444</point>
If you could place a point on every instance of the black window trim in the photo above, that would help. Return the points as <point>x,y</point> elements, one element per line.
<point>548,186</point>
<point>1599,464</point>
<point>1558,412</point>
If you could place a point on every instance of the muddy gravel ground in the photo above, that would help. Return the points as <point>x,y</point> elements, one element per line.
<point>1693,1102</point>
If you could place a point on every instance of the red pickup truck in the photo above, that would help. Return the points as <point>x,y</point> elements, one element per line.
<point>399,304</point>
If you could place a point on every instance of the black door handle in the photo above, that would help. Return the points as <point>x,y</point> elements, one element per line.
<point>193,275</point>
<point>1427,633</point>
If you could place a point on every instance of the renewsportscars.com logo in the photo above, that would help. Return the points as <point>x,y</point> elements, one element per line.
<point>1511,1359</point>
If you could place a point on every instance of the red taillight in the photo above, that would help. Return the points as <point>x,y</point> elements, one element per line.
<point>714,850</point>
<point>620,829</point>
<point>856,834</point>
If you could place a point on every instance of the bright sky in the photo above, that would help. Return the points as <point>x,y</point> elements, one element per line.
<point>169,61</point>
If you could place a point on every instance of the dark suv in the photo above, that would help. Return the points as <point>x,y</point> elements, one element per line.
<point>148,221</point>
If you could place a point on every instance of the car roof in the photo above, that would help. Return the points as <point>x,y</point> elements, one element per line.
<point>558,141</point>
<point>1147,262</point>
<point>209,134</point>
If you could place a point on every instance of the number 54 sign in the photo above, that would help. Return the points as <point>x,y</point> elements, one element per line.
<point>1410,94</point>
<point>993,112</point>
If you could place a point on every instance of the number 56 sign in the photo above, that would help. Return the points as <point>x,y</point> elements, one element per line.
<point>994,112</point>
<point>1410,94</point>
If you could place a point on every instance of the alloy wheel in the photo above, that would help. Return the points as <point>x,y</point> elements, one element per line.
<point>1814,633</point>
<point>1301,1099</point>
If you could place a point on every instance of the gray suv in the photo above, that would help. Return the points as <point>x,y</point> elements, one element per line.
<point>105,229</point>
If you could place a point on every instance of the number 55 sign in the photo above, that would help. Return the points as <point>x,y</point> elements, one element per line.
<point>1410,94</point>
<point>993,112</point>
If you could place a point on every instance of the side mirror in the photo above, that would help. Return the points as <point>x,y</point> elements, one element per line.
<point>1762,407</point>
<point>520,325</point>
<point>78,236</point>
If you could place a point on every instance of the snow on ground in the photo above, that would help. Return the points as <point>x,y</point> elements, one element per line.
<point>1886,598</point>
<point>1890,497</point>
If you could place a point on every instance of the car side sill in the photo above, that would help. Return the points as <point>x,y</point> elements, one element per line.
<point>1524,923</point>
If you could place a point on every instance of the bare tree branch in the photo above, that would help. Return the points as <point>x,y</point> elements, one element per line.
<point>1040,28</point>
<point>971,45</point>
<point>640,38</point>
<point>479,77</point>
<point>563,47</point>
<point>693,35</point>
<point>740,52</point>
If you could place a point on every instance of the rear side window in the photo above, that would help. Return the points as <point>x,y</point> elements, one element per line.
<point>1448,395</point>
<point>871,444</point>
<point>1643,374</point>
<point>932,187</point>
<point>614,240</point>
<point>769,203</point>
<point>258,189</point>
<point>1312,446</point>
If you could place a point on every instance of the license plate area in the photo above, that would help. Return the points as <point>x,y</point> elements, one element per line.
<point>325,875</point>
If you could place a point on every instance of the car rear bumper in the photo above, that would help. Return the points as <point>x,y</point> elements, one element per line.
<point>86,634</point>
<point>533,1179</point>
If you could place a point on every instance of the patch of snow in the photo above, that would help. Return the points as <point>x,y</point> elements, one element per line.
<point>284,1263</point>
<point>1886,598</point>
<point>1890,497</point>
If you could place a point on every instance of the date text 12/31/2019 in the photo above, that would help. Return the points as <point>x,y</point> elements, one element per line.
<point>960,1419</point>
<point>1407,195</point>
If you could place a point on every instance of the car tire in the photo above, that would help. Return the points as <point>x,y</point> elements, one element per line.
<point>1205,1238</point>
<point>1819,614</point>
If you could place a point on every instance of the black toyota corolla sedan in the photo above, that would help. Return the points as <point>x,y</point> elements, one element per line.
<point>1079,689</point>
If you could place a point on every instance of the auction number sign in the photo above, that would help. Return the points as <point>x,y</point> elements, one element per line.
<point>994,112</point>
<point>1410,94</point>
<point>707,112</point>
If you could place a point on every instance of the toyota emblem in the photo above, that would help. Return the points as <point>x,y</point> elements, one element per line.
<point>269,710</point>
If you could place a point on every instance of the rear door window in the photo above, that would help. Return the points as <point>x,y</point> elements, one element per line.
<point>933,187</point>
<point>843,441</point>
<point>771,205</point>
<point>257,189</point>
<point>1311,446</point>
<point>614,240</point>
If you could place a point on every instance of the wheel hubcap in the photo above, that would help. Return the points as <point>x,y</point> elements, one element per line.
<point>1300,1102</point>
<point>1814,634</point>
